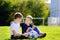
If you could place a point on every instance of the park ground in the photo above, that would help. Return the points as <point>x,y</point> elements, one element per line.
<point>53,32</point>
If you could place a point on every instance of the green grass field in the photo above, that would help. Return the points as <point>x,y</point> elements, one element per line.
<point>53,33</point>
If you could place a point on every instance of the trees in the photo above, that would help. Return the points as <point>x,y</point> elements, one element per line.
<point>5,9</point>
<point>26,7</point>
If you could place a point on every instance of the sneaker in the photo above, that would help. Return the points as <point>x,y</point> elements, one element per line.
<point>42,35</point>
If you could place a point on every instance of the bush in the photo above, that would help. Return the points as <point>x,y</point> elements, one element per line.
<point>26,7</point>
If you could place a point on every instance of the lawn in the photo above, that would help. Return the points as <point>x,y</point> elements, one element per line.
<point>53,33</point>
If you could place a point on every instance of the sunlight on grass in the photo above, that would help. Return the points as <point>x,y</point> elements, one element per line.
<point>53,33</point>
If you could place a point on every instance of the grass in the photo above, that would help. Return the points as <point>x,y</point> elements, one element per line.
<point>53,33</point>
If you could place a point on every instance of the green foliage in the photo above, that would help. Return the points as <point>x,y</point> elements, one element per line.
<point>26,7</point>
<point>5,10</point>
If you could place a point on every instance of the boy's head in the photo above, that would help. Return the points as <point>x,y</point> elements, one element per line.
<point>29,19</point>
<point>18,16</point>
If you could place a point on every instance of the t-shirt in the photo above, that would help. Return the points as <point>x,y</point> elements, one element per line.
<point>25,27</point>
<point>14,26</point>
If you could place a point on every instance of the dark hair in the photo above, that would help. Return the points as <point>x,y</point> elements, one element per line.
<point>17,16</point>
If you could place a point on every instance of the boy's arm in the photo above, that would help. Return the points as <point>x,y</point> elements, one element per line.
<point>33,26</point>
<point>14,33</point>
<point>27,30</point>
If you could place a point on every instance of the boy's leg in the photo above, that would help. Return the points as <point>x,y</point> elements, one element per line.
<point>37,30</point>
<point>41,34</point>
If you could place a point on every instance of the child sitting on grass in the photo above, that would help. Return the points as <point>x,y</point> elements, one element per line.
<point>25,27</point>
<point>15,26</point>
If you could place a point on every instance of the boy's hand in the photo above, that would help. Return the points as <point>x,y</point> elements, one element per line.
<point>25,34</point>
<point>17,35</point>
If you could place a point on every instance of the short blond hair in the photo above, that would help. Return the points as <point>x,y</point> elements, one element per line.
<point>29,16</point>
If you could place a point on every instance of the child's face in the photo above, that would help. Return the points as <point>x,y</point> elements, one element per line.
<point>19,19</point>
<point>28,20</point>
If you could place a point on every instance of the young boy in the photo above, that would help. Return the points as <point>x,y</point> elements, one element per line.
<point>15,26</point>
<point>25,27</point>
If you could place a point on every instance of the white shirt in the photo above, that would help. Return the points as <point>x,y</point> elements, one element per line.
<point>14,26</point>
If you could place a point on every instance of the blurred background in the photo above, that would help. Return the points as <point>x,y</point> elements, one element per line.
<point>46,14</point>
<point>39,9</point>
